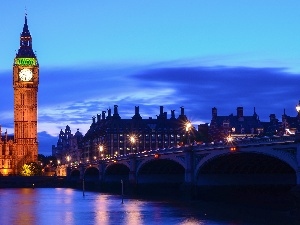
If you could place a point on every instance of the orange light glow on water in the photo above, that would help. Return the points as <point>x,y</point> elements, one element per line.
<point>233,149</point>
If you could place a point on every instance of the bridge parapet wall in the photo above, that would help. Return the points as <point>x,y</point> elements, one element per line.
<point>247,142</point>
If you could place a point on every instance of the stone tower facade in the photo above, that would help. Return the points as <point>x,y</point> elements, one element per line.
<point>25,84</point>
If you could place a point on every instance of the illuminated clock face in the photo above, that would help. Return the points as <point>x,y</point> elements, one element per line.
<point>25,74</point>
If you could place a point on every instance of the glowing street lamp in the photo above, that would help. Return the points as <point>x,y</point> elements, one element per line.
<point>101,148</point>
<point>132,141</point>
<point>68,158</point>
<point>229,139</point>
<point>188,127</point>
<point>298,121</point>
<point>298,108</point>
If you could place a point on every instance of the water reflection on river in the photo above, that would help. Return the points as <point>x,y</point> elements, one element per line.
<point>68,206</point>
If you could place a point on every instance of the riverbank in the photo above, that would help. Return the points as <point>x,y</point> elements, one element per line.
<point>33,181</point>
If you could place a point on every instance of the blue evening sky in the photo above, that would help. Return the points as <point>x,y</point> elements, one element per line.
<point>198,54</point>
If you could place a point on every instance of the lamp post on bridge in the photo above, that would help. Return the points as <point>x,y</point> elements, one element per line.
<point>101,151</point>
<point>132,141</point>
<point>229,139</point>
<point>297,133</point>
<point>68,159</point>
<point>298,109</point>
<point>188,127</point>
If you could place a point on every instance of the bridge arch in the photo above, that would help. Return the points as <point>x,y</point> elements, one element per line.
<point>280,154</point>
<point>177,159</point>
<point>162,170</point>
<point>91,173</point>
<point>114,172</point>
<point>246,168</point>
<point>75,174</point>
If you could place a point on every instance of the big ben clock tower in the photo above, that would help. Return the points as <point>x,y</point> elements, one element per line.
<point>25,83</point>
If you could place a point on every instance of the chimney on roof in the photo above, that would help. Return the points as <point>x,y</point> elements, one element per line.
<point>116,113</point>
<point>116,110</point>
<point>240,112</point>
<point>137,110</point>
<point>214,112</point>
<point>161,110</point>
<point>182,111</point>
<point>172,114</point>
<point>109,113</point>
<point>272,117</point>
<point>137,113</point>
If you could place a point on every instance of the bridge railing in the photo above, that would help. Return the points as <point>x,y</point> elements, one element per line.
<point>266,140</point>
<point>210,146</point>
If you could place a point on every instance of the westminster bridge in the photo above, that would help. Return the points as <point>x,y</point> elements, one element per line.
<point>253,161</point>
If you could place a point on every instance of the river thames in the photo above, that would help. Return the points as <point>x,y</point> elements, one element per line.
<point>28,206</point>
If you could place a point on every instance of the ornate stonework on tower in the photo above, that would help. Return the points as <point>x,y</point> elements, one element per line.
<point>25,84</point>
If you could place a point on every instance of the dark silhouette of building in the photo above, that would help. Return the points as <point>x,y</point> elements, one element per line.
<point>7,148</point>
<point>239,124</point>
<point>68,147</point>
<point>111,135</point>
<point>249,126</point>
<point>290,125</point>
<point>273,127</point>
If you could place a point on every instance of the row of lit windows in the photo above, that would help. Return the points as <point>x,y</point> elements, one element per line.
<point>4,150</point>
<point>115,150</point>
<point>147,142</point>
<point>153,136</point>
<point>2,163</point>
<point>147,135</point>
